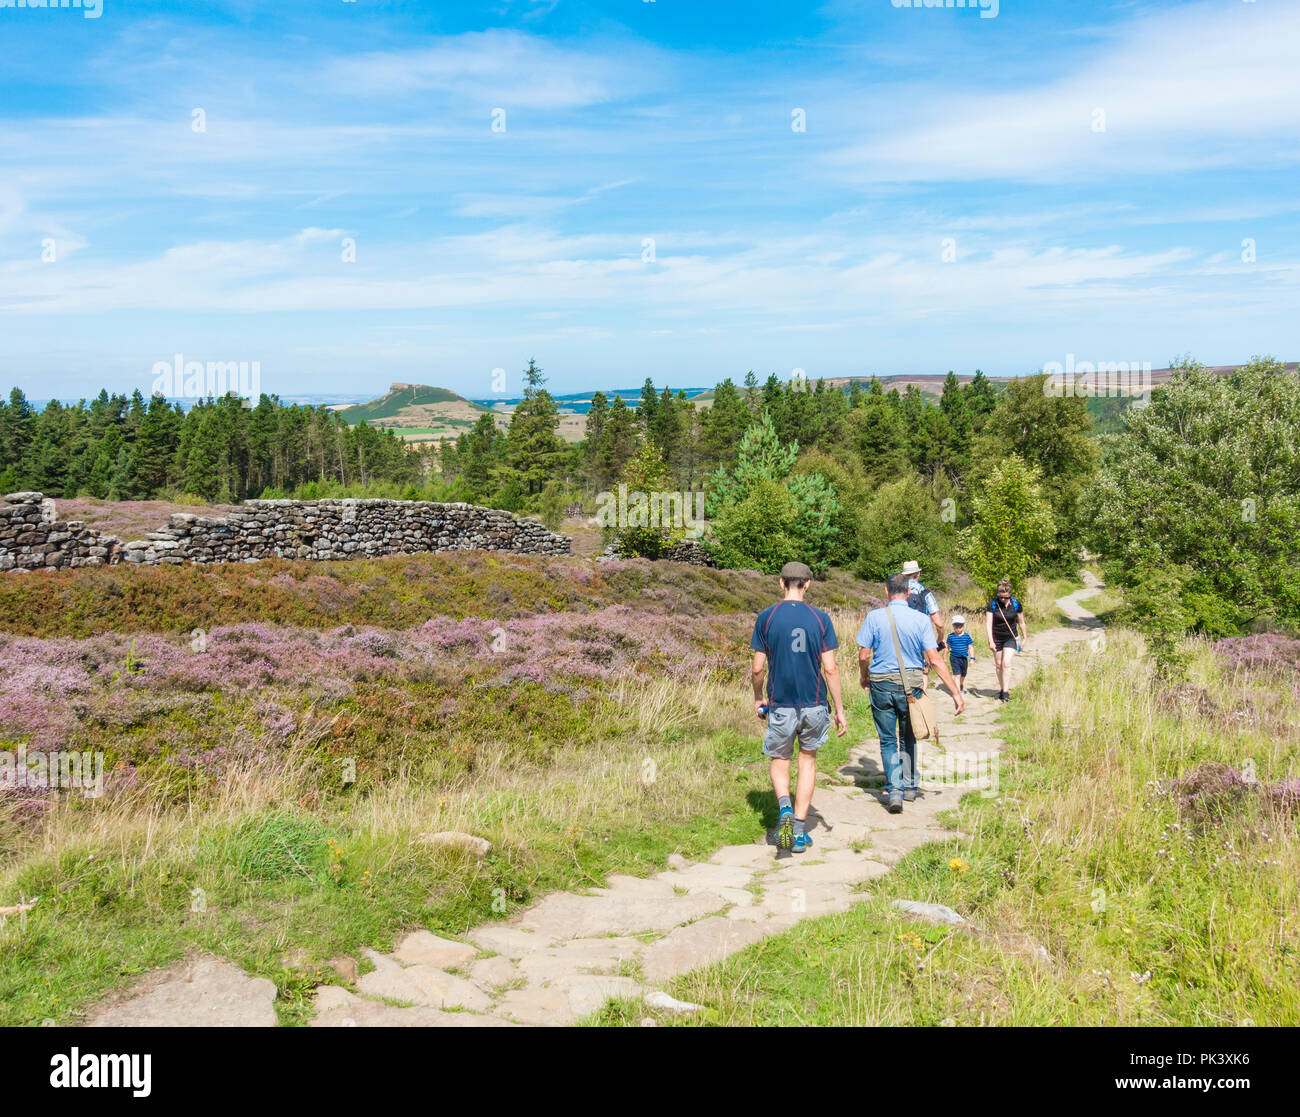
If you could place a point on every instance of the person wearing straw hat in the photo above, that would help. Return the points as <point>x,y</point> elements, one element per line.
<point>794,648</point>
<point>923,601</point>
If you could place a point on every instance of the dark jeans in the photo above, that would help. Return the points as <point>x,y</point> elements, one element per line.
<point>890,713</point>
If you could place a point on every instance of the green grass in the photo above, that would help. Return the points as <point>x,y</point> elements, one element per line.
<point>280,891</point>
<point>1147,916</point>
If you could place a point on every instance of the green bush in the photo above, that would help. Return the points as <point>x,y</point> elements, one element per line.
<point>901,521</point>
<point>763,514</point>
<point>1204,483</point>
<point>1012,524</point>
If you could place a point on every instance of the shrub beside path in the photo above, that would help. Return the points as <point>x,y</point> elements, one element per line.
<point>559,960</point>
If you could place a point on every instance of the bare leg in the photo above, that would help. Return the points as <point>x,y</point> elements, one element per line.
<point>779,770</point>
<point>1005,658</point>
<point>807,780</point>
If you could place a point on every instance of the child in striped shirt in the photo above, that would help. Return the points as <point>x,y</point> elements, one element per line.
<point>961,647</point>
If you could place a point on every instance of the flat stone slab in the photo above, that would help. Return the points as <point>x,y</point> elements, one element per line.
<point>746,857</point>
<point>424,985</point>
<point>707,878</point>
<point>587,994</point>
<point>578,957</point>
<point>828,872</point>
<point>204,993</point>
<point>508,939</point>
<point>565,916</point>
<point>854,808</point>
<point>337,1008</point>
<point>492,973</point>
<point>700,944</point>
<point>423,947</point>
<point>635,888</point>
<point>543,1005</point>
<point>805,899</point>
<point>936,913</point>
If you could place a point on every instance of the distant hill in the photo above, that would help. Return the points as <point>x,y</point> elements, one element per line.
<point>418,412</point>
<point>931,383</point>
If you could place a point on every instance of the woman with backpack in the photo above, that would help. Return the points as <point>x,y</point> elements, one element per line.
<point>1004,625</point>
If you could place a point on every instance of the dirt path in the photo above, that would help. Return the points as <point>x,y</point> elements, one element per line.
<point>559,960</point>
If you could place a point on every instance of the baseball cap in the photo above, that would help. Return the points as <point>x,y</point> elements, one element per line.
<point>800,570</point>
<point>957,618</point>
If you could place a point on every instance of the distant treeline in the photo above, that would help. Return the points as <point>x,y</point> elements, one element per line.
<point>132,448</point>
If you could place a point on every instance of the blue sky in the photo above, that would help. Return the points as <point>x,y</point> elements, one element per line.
<point>1090,171</point>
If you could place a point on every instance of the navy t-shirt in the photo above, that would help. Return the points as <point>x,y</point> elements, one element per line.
<point>793,635</point>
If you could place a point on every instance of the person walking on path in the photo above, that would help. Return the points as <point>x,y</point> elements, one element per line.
<point>878,670</point>
<point>961,649</point>
<point>923,601</point>
<point>794,647</point>
<point>1004,617</point>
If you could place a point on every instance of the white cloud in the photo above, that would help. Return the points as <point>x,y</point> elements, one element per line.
<point>1192,87</point>
<point>494,68</point>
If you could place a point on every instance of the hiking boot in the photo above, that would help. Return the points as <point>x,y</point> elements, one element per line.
<point>802,842</point>
<point>785,830</point>
<point>895,802</point>
<point>911,794</point>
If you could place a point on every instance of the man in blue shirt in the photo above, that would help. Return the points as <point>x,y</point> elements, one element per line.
<point>878,669</point>
<point>794,647</point>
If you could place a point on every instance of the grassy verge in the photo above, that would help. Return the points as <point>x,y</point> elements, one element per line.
<point>255,876</point>
<point>1098,890</point>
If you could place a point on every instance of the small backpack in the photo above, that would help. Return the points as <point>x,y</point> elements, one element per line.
<point>916,600</point>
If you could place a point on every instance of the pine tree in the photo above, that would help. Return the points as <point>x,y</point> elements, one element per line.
<point>533,449</point>
<point>617,444</point>
<point>645,412</point>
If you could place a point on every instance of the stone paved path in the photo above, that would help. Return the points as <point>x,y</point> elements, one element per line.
<point>559,960</point>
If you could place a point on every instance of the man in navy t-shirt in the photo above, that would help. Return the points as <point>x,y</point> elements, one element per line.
<point>794,648</point>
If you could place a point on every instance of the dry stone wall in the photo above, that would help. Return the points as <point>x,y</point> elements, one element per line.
<point>32,538</point>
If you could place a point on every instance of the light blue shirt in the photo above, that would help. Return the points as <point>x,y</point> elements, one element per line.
<point>915,637</point>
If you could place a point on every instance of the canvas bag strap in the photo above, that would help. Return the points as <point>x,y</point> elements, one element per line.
<point>1010,627</point>
<point>898,651</point>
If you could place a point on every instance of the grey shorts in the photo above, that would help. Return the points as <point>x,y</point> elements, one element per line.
<point>811,725</point>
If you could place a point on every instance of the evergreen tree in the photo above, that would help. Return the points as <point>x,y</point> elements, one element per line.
<point>666,429</point>
<point>981,399</point>
<point>17,429</point>
<point>723,424</point>
<point>645,412</point>
<point>618,443</point>
<point>534,450</point>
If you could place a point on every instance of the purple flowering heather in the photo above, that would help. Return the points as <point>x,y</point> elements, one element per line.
<point>1212,791</point>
